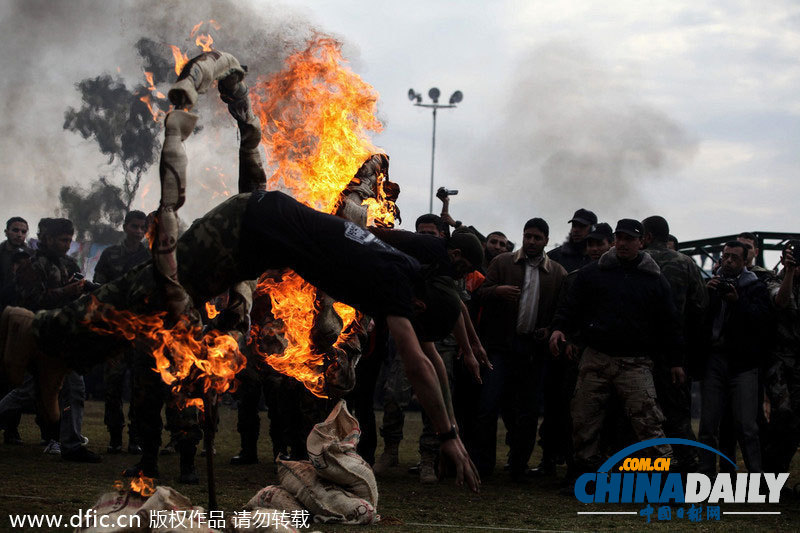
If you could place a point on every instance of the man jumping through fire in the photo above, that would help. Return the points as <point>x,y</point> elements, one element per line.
<point>237,241</point>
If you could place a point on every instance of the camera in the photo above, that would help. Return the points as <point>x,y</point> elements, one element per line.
<point>444,192</point>
<point>726,285</point>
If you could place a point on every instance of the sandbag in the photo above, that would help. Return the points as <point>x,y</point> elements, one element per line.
<point>115,504</point>
<point>331,446</point>
<point>326,502</point>
<point>264,526</point>
<point>274,497</point>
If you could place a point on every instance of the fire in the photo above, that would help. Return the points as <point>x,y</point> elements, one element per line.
<point>143,485</point>
<point>317,116</point>
<point>211,310</point>
<point>204,41</point>
<point>185,356</point>
<point>180,58</point>
<point>157,113</point>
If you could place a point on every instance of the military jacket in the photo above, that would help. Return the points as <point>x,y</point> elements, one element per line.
<point>116,260</point>
<point>41,284</point>
<point>787,320</point>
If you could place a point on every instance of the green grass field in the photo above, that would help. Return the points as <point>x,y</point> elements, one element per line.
<point>31,482</point>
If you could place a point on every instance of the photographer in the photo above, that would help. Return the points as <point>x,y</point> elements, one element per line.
<point>782,377</point>
<point>734,329</point>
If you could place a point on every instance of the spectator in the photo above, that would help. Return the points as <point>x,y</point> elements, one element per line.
<point>751,242</point>
<point>562,373</point>
<point>782,377</point>
<point>737,317</point>
<point>53,279</point>
<point>519,296</point>
<point>572,254</point>
<point>116,261</point>
<point>622,310</point>
<point>672,242</point>
<point>690,299</point>
<point>496,244</point>
<point>16,232</point>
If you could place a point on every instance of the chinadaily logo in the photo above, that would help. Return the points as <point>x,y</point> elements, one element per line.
<point>666,495</point>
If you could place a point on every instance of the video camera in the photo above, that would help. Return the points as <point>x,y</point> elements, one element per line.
<point>444,192</point>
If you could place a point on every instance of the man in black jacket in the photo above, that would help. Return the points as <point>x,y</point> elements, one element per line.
<point>738,314</point>
<point>572,254</point>
<point>622,309</point>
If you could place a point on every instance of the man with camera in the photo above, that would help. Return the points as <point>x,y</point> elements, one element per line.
<point>782,376</point>
<point>738,316</point>
<point>51,280</point>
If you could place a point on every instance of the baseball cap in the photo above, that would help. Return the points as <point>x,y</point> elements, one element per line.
<point>470,247</point>
<point>630,226</point>
<point>583,216</point>
<point>601,231</point>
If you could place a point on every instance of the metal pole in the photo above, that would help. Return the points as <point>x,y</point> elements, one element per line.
<point>433,155</point>
<point>209,415</point>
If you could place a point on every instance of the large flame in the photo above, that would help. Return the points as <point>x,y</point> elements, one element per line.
<point>186,357</point>
<point>317,116</point>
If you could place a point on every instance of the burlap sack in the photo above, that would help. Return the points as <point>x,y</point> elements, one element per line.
<point>274,497</point>
<point>326,502</point>
<point>118,503</point>
<point>115,504</point>
<point>265,526</point>
<point>331,447</point>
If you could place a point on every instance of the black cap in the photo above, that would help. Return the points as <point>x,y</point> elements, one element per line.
<point>471,248</point>
<point>630,226</point>
<point>601,231</point>
<point>584,216</point>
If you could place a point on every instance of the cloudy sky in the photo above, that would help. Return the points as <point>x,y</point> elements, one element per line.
<point>690,110</point>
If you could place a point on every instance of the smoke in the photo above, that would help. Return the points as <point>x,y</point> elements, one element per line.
<point>79,65</point>
<point>576,134</point>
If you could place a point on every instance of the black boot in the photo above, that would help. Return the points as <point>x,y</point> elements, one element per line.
<point>247,455</point>
<point>115,440</point>
<point>188,471</point>
<point>147,466</point>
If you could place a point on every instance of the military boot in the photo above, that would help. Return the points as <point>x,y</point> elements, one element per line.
<point>427,468</point>
<point>188,470</point>
<point>388,459</point>
<point>147,466</point>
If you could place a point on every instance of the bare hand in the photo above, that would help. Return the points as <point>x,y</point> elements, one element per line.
<point>447,219</point>
<point>480,354</point>
<point>572,351</point>
<point>678,375</point>
<point>509,293</point>
<point>472,366</point>
<point>453,450</point>
<point>556,340</point>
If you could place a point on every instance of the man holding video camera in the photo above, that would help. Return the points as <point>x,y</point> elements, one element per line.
<point>735,331</point>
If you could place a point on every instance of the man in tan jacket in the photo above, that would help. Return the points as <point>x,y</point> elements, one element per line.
<point>519,299</point>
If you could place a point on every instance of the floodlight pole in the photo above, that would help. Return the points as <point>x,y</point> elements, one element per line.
<point>435,107</point>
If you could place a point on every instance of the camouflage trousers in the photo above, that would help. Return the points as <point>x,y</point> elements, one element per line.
<point>599,377</point>
<point>782,383</point>
<point>114,372</point>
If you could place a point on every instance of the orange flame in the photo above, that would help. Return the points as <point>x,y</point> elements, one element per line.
<point>316,116</point>
<point>195,28</point>
<point>143,485</point>
<point>211,310</point>
<point>157,113</point>
<point>204,41</point>
<point>185,357</point>
<point>180,58</point>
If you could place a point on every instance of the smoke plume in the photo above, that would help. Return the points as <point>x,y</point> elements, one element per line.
<point>80,65</point>
<point>576,134</point>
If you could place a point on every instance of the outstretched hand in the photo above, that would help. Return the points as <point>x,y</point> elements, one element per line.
<point>453,450</point>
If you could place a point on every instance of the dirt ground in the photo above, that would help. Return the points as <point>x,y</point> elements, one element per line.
<point>31,482</point>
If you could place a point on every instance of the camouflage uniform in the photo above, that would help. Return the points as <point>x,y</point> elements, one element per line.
<point>690,298</point>
<point>782,382</point>
<point>46,284</point>
<point>7,276</point>
<point>114,262</point>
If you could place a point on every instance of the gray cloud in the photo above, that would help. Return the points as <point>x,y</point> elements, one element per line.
<point>50,46</point>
